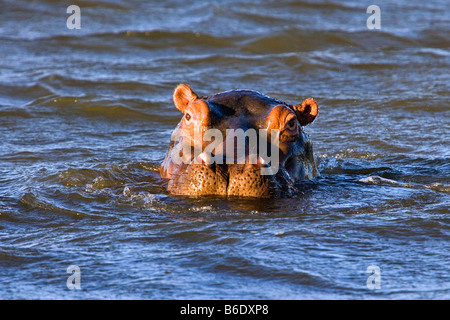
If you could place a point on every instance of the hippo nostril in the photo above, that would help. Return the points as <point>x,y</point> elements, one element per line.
<point>205,157</point>
<point>260,162</point>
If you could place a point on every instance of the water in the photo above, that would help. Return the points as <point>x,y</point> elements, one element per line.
<point>86,117</point>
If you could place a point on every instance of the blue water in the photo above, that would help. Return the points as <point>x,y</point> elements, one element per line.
<point>86,117</point>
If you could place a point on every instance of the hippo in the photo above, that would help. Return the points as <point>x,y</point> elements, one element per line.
<point>272,159</point>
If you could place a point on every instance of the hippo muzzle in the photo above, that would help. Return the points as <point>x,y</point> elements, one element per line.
<point>239,143</point>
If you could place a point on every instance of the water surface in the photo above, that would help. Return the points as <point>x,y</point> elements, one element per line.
<point>86,117</point>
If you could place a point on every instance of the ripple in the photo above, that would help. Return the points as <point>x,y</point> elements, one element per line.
<point>93,107</point>
<point>31,200</point>
<point>86,117</point>
<point>376,180</point>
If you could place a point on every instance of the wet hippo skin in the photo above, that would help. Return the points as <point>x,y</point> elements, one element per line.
<point>262,166</point>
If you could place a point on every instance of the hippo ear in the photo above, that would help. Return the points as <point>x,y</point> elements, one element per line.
<point>306,111</point>
<point>182,96</point>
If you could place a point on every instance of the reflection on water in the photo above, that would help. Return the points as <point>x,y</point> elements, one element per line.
<point>86,117</point>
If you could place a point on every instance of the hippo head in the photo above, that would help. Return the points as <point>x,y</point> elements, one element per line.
<point>239,143</point>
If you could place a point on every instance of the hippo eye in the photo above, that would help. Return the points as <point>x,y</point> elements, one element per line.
<point>188,116</point>
<point>291,123</point>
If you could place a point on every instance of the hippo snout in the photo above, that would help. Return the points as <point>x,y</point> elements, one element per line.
<point>242,180</point>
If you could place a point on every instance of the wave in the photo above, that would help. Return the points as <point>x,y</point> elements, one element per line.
<point>294,38</point>
<point>31,200</point>
<point>58,81</point>
<point>327,5</point>
<point>380,181</point>
<point>14,111</point>
<point>11,93</point>
<point>91,106</point>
